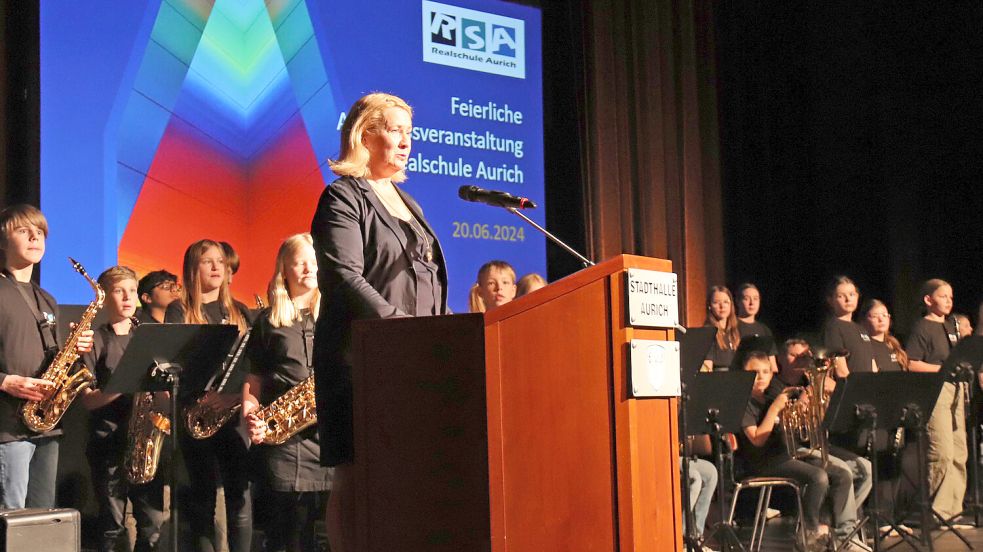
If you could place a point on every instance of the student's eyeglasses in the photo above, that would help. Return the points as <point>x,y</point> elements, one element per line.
<point>173,287</point>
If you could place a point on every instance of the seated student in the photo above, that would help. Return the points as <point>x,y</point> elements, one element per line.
<point>529,283</point>
<point>494,288</point>
<point>796,356</point>
<point>764,452</point>
<point>720,315</point>
<point>109,425</point>
<point>702,484</point>
<point>748,306</point>
<point>157,290</point>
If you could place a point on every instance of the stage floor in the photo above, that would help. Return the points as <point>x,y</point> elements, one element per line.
<point>779,538</point>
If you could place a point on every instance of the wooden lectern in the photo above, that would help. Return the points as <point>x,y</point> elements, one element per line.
<point>515,431</point>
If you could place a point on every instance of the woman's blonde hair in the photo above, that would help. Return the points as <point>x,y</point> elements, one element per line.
<point>475,302</point>
<point>283,311</point>
<point>191,294</point>
<point>367,114</point>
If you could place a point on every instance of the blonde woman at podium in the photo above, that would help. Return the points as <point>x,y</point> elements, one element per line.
<point>377,258</point>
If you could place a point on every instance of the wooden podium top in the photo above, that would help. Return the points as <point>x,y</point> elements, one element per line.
<point>575,281</point>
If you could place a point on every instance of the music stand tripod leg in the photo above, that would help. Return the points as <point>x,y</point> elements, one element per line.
<point>724,531</point>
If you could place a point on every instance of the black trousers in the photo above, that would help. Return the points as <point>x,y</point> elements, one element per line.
<point>292,525</point>
<point>223,458</point>
<point>112,490</point>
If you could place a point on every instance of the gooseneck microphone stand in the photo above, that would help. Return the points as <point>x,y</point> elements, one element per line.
<point>586,262</point>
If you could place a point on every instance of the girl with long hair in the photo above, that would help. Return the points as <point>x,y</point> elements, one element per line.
<point>720,315</point>
<point>281,349</point>
<point>888,353</point>
<point>206,299</point>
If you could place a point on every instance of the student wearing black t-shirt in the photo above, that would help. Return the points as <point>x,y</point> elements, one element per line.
<point>840,332</point>
<point>206,299</point>
<point>28,341</point>
<point>888,354</point>
<point>157,290</point>
<point>765,453</point>
<point>748,306</point>
<point>281,351</point>
<point>929,343</point>
<point>109,425</point>
<point>720,315</point>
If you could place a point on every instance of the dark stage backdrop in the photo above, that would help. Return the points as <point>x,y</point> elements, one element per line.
<point>851,144</point>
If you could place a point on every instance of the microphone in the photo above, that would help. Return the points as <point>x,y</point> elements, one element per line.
<point>494,198</point>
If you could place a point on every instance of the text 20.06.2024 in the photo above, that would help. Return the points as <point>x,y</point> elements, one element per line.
<point>483,231</point>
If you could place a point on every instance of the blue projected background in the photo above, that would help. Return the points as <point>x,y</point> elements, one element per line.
<point>167,121</point>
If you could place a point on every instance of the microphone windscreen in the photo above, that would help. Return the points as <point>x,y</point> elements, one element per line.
<point>467,192</point>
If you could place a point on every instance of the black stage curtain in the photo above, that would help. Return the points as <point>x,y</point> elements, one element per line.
<point>851,144</point>
<point>20,125</point>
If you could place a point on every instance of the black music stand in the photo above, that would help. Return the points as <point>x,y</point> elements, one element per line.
<point>887,400</point>
<point>694,344</point>
<point>965,362</point>
<point>720,399</point>
<point>173,358</point>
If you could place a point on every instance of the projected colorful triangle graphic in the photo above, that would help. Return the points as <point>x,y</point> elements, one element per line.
<point>215,138</point>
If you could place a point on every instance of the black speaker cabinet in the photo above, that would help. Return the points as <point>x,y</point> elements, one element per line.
<point>54,530</point>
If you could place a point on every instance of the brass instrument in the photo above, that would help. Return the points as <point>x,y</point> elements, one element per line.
<point>145,439</point>
<point>290,413</point>
<point>803,416</point>
<point>203,421</point>
<point>43,415</point>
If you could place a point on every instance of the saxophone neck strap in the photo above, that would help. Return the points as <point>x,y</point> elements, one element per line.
<point>45,320</point>
<point>308,333</point>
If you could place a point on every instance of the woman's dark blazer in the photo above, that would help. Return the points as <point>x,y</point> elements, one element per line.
<point>364,271</point>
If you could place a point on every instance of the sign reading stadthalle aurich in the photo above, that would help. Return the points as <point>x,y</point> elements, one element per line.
<point>652,298</point>
<point>654,367</point>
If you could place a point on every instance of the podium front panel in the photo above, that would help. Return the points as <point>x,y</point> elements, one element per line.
<point>421,463</point>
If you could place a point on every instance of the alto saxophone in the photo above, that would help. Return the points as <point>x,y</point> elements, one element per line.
<point>41,416</point>
<point>290,413</point>
<point>145,439</point>
<point>203,421</point>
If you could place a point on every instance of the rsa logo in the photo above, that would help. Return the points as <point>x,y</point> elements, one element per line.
<point>469,39</point>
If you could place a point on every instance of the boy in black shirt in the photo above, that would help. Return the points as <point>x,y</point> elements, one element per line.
<point>763,448</point>
<point>109,425</point>
<point>28,461</point>
<point>156,290</point>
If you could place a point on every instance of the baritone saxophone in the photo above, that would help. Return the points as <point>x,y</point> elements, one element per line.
<point>67,380</point>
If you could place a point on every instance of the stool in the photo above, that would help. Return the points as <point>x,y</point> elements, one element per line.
<point>766,485</point>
